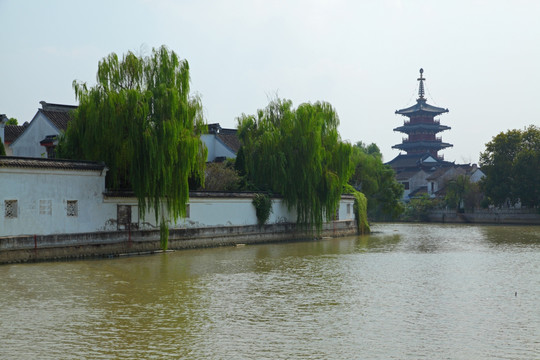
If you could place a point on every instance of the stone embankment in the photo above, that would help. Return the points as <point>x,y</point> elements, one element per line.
<point>488,216</point>
<point>115,243</point>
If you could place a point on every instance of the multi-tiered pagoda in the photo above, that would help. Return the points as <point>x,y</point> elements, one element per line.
<point>421,127</point>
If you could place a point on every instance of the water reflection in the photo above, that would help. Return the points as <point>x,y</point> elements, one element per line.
<point>512,236</point>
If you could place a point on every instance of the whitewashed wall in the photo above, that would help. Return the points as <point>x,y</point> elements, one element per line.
<point>216,148</point>
<point>34,188</point>
<point>28,143</point>
<point>42,196</point>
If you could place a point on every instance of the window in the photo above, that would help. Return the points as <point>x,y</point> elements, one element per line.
<point>45,207</point>
<point>72,208</point>
<point>187,210</point>
<point>348,209</point>
<point>405,185</point>
<point>10,207</point>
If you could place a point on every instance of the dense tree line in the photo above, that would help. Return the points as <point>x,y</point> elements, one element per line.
<point>377,182</point>
<point>511,163</point>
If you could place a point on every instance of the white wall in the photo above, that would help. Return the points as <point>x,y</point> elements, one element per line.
<point>54,187</point>
<point>99,213</point>
<point>28,143</point>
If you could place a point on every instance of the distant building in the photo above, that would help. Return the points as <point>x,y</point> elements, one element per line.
<point>422,171</point>
<point>221,143</point>
<point>421,127</point>
<point>39,138</point>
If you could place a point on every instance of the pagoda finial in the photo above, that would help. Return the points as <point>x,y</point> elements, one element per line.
<point>421,87</point>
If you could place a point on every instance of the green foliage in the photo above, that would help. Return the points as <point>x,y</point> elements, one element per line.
<point>418,209</point>
<point>2,149</point>
<point>462,194</point>
<point>221,177</point>
<point>511,163</point>
<point>377,182</point>
<point>142,122</point>
<point>360,209</point>
<point>263,207</point>
<point>360,212</point>
<point>298,154</point>
<point>12,121</point>
<point>456,190</point>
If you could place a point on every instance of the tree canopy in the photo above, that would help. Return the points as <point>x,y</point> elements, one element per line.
<point>141,120</point>
<point>377,181</point>
<point>297,153</point>
<point>511,163</point>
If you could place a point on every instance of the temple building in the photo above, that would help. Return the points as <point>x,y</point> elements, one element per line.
<point>421,170</point>
<point>421,126</point>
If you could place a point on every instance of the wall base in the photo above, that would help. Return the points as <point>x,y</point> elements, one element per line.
<point>114,243</point>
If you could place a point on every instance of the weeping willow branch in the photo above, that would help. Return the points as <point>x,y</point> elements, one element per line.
<point>141,120</point>
<point>297,153</point>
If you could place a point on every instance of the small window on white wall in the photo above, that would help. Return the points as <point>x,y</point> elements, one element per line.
<point>72,208</point>
<point>10,208</point>
<point>45,207</point>
<point>348,209</point>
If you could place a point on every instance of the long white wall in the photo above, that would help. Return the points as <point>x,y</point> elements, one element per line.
<point>45,197</point>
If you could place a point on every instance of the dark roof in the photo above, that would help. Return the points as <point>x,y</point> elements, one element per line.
<point>60,119</point>
<point>230,140</point>
<point>433,128</point>
<point>410,162</point>
<point>12,132</point>
<point>228,137</point>
<point>438,173</point>
<point>424,145</point>
<point>58,114</point>
<point>421,106</point>
<point>43,163</point>
<point>406,175</point>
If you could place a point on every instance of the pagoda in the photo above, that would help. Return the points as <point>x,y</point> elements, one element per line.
<point>421,126</point>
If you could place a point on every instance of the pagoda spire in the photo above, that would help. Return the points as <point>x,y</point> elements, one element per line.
<point>421,87</point>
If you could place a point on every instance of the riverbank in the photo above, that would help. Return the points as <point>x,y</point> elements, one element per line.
<point>113,243</point>
<point>487,216</point>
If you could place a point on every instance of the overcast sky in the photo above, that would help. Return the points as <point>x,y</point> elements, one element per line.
<point>481,58</point>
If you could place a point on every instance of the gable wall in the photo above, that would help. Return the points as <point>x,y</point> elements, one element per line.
<point>216,148</point>
<point>28,143</point>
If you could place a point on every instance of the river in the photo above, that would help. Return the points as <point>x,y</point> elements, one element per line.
<point>407,291</point>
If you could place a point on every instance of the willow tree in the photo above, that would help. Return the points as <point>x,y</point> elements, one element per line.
<point>142,122</point>
<point>297,153</point>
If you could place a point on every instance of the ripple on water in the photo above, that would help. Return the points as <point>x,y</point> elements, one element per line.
<point>406,292</point>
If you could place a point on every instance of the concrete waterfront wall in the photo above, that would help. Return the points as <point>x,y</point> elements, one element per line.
<point>488,216</point>
<point>113,243</point>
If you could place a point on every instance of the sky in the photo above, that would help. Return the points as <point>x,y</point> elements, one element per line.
<point>481,58</point>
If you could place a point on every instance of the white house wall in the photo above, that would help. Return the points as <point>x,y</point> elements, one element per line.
<point>28,143</point>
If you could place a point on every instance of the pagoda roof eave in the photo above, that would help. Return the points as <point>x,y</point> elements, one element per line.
<point>422,106</point>
<point>422,145</point>
<point>412,127</point>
